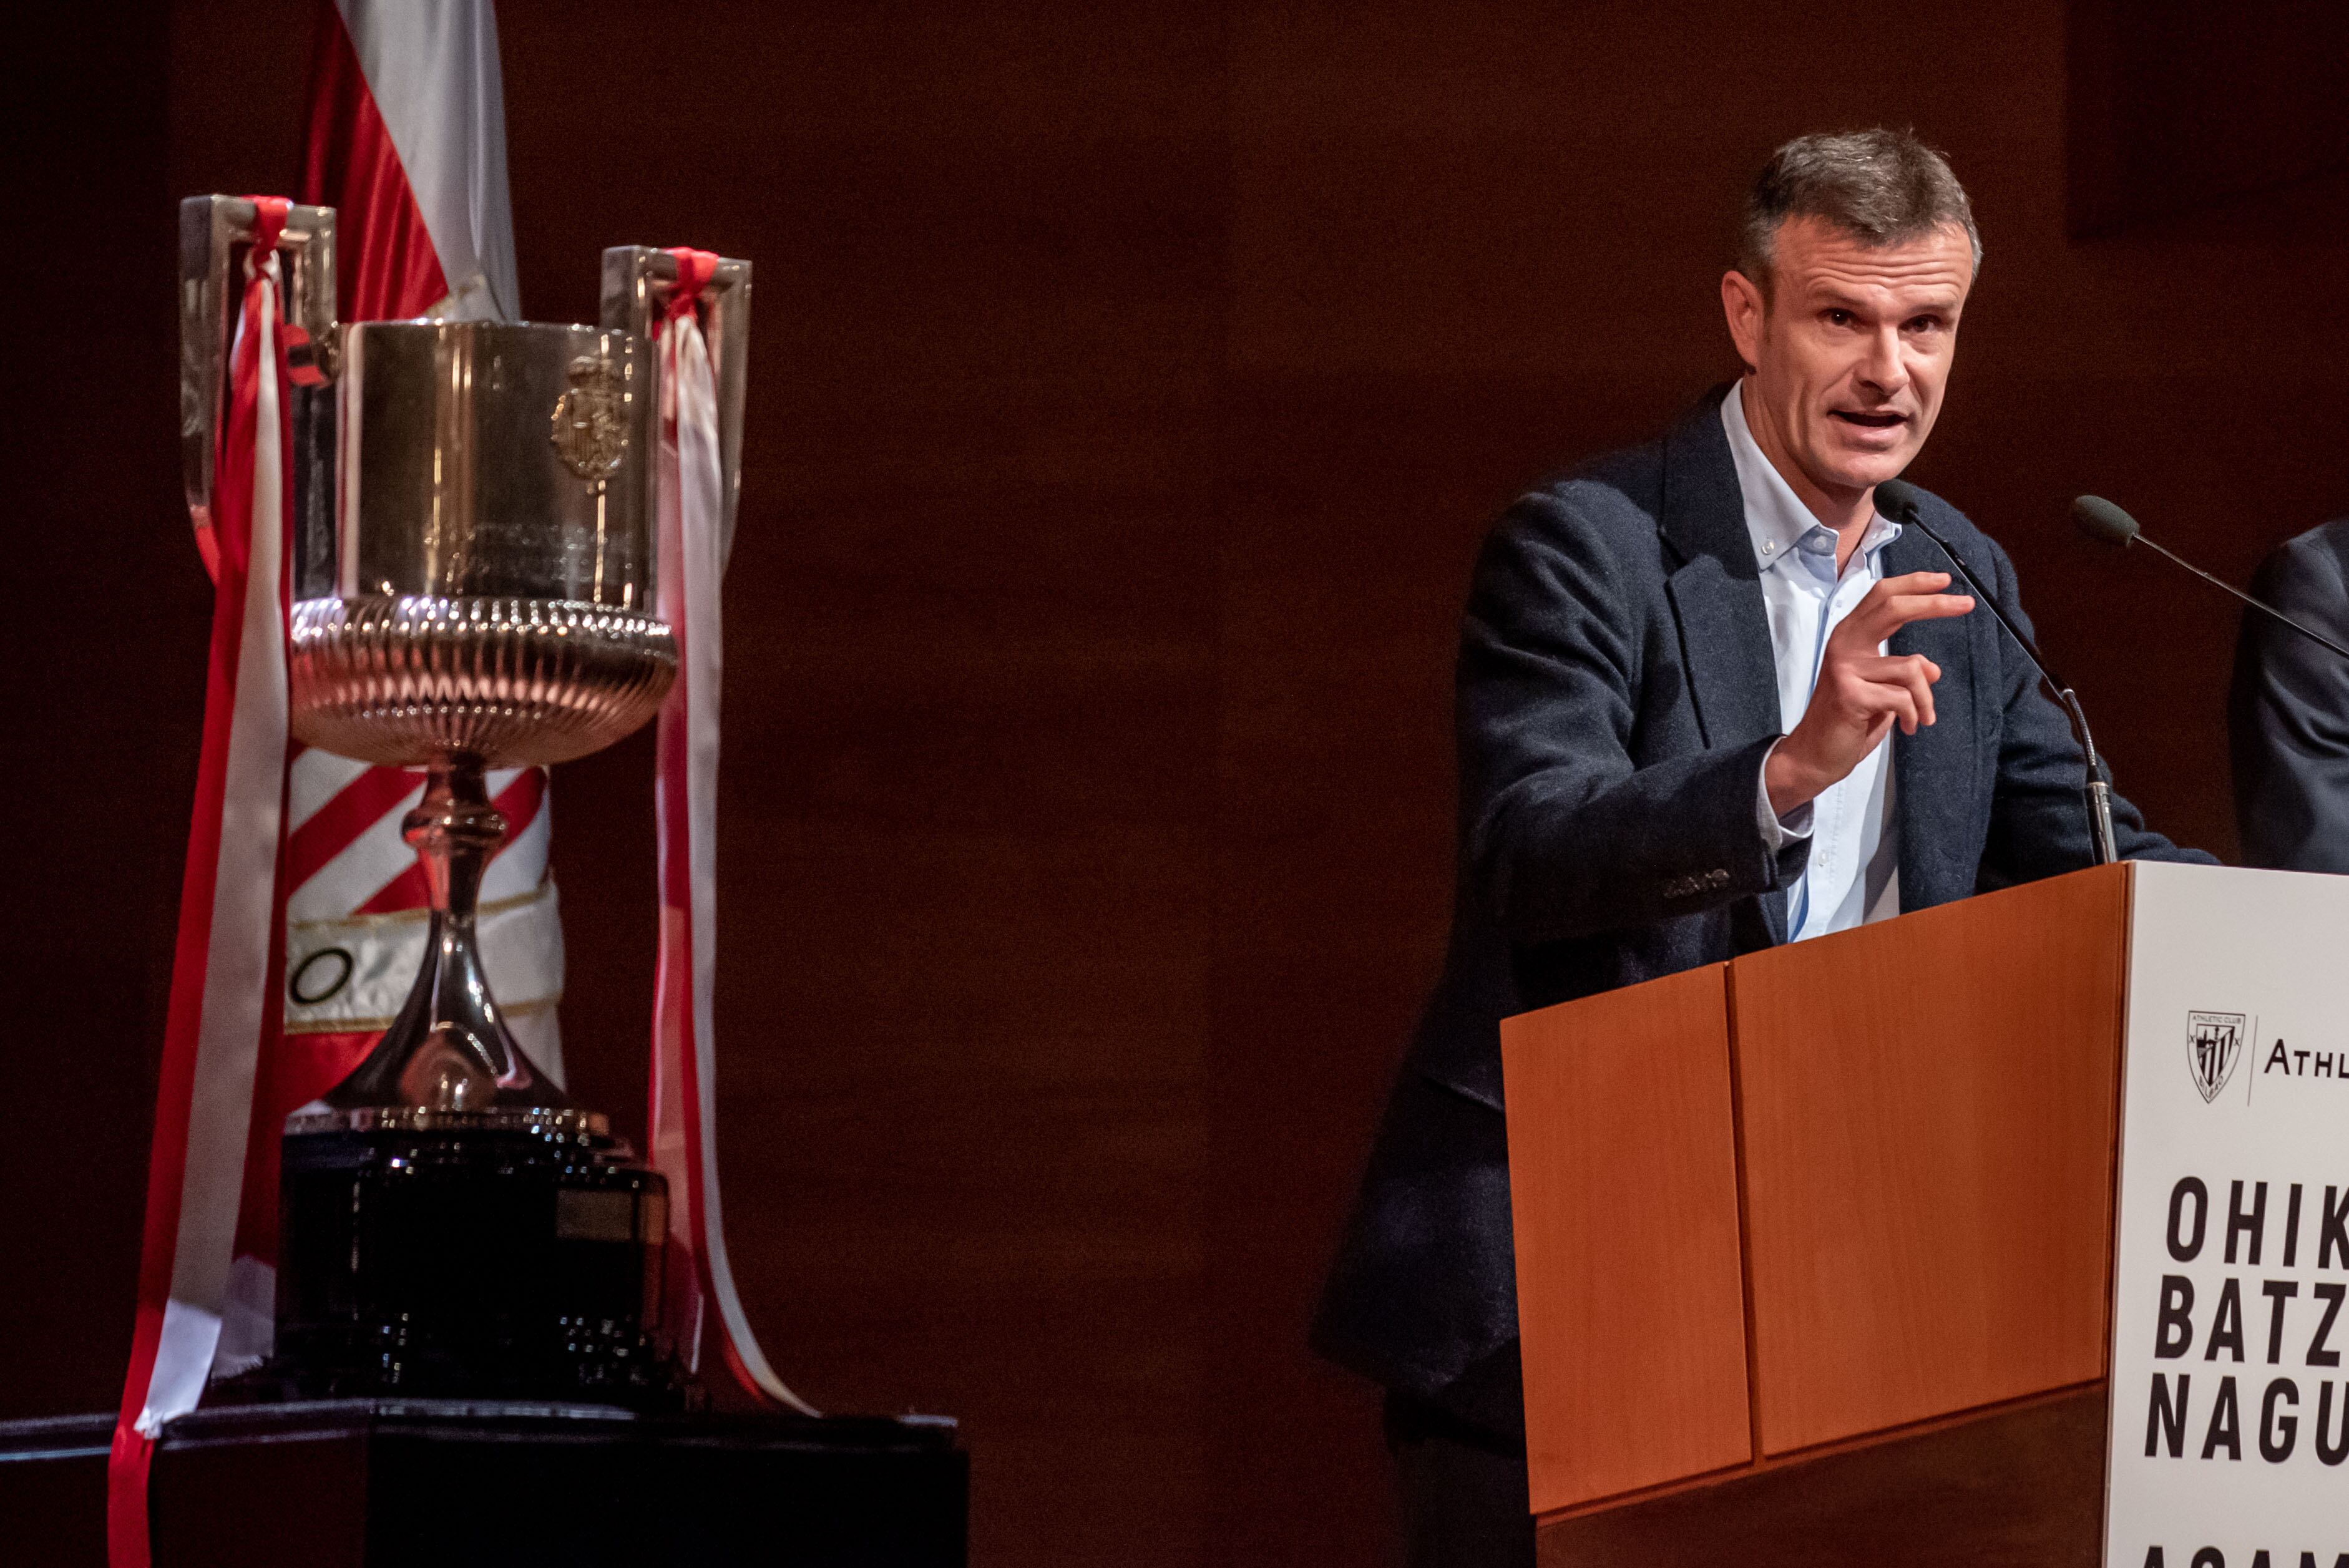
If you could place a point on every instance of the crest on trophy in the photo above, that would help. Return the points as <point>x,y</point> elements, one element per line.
<point>2214,1043</point>
<point>590,430</point>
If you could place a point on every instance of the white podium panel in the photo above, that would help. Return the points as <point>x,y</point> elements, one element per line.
<point>2229,1361</point>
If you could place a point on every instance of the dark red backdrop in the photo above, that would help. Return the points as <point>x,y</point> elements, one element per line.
<point>1129,387</point>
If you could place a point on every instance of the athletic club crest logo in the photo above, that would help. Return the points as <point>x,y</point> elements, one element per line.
<point>2213,1043</point>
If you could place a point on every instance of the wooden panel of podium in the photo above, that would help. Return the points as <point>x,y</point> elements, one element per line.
<point>1813,1247</point>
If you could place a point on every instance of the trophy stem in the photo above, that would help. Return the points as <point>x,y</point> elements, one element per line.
<point>449,1050</point>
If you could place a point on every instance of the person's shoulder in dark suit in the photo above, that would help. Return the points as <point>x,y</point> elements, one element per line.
<point>2288,711</point>
<point>1609,504</point>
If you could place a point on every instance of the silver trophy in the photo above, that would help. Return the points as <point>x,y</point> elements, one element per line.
<point>474,556</point>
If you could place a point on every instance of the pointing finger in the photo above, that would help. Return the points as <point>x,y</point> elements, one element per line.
<point>1885,616</point>
<point>1913,582</point>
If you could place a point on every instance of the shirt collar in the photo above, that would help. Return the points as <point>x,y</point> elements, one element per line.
<point>1775,517</point>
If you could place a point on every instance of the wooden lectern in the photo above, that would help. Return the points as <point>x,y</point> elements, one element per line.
<point>1813,1247</point>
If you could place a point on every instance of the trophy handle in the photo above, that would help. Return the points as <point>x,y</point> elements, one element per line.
<point>637,282</point>
<point>214,232</point>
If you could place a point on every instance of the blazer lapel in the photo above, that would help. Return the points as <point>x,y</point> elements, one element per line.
<point>1935,772</point>
<point>1716,596</point>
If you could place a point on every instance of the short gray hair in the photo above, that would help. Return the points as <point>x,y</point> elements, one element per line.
<point>1882,186</point>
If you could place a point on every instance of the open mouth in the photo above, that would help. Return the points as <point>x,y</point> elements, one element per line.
<point>1868,422</point>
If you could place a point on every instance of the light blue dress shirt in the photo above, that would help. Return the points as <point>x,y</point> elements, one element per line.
<point>1854,874</point>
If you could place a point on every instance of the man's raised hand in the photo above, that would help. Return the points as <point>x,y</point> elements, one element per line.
<point>1862,694</point>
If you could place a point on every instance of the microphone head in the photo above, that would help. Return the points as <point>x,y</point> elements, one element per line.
<point>1897,499</point>
<point>2100,519</point>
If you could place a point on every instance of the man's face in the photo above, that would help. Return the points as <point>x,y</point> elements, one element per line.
<point>1851,351</point>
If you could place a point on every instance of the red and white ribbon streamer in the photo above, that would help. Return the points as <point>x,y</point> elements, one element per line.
<point>226,978</point>
<point>689,479</point>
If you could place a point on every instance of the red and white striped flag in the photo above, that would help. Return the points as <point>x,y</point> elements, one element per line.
<point>407,143</point>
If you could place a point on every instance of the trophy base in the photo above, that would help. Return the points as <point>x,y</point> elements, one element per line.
<point>478,1255</point>
<point>444,1483</point>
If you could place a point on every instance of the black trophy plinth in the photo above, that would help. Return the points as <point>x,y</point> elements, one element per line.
<point>447,1484</point>
<point>420,1256</point>
<point>451,1224</point>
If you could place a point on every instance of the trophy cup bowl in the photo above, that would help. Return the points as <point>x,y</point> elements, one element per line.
<point>474,562</point>
<point>418,681</point>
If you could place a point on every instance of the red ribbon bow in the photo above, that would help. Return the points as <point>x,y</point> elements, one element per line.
<point>694,271</point>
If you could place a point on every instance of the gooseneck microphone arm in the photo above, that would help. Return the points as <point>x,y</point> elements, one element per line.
<point>1897,499</point>
<point>2101,519</point>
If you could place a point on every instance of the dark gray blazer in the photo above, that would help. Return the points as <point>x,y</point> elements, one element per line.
<point>1616,693</point>
<point>2289,715</point>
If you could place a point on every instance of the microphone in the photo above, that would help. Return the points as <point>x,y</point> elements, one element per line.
<point>2101,519</point>
<point>1897,499</point>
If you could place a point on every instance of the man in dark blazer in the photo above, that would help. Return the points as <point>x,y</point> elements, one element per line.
<point>2289,715</point>
<point>1707,701</point>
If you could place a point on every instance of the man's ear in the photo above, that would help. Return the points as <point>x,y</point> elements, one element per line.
<point>1742,304</point>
